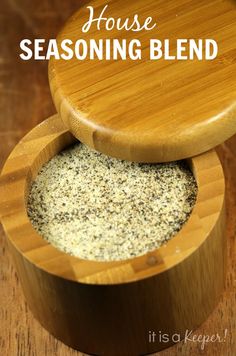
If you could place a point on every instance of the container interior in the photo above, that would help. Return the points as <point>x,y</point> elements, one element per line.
<point>106,244</point>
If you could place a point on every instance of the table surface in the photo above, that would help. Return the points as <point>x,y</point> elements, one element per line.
<point>25,101</point>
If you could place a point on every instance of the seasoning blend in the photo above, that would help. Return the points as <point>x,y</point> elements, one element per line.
<point>134,123</point>
<point>100,208</point>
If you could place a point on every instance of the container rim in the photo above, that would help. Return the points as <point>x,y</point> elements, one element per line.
<point>22,166</point>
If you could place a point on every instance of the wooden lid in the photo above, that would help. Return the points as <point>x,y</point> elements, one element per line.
<point>151,110</point>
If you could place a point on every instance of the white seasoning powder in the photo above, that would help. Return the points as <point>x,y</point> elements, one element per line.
<point>100,208</point>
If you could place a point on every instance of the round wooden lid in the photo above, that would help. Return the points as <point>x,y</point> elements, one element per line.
<point>150,110</point>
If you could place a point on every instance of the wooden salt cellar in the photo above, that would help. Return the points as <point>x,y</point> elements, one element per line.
<point>147,112</point>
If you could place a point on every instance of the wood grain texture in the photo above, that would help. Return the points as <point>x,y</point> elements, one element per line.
<point>151,111</point>
<point>24,102</point>
<point>108,308</point>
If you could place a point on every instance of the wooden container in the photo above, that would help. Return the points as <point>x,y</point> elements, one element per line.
<point>145,112</point>
<point>108,308</point>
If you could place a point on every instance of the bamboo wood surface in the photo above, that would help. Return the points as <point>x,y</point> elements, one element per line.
<point>147,110</point>
<point>108,308</point>
<point>24,102</point>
